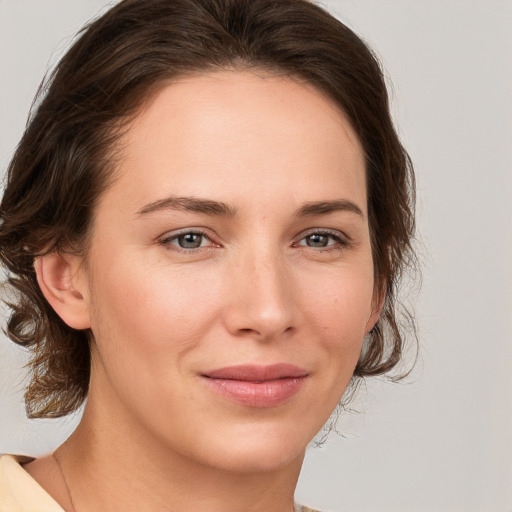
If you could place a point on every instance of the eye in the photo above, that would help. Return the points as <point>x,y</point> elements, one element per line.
<point>323,240</point>
<point>188,240</point>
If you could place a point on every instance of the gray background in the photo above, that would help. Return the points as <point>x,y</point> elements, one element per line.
<point>443,441</point>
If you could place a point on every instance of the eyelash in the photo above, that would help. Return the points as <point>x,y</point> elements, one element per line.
<point>167,241</point>
<point>341,242</point>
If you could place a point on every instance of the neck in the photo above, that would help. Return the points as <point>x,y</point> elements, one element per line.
<point>122,467</point>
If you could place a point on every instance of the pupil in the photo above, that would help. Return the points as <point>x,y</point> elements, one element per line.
<point>317,241</point>
<point>190,241</point>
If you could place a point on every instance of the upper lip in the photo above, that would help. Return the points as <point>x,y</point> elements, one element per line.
<point>257,373</point>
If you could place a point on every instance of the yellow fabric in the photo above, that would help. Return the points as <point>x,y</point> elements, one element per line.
<point>19,492</point>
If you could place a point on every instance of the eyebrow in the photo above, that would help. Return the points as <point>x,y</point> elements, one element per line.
<point>193,204</point>
<point>218,208</point>
<point>326,207</point>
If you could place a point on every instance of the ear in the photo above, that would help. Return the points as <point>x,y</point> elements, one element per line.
<point>379,297</point>
<point>61,280</point>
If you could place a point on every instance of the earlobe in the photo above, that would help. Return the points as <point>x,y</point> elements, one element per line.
<point>379,298</point>
<point>59,279</point>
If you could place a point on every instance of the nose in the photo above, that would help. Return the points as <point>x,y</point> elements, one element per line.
<point>261,302</point>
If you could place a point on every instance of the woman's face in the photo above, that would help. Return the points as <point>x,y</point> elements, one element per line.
<point>229,282</point>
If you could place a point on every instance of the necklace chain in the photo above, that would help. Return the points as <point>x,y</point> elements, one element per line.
<point>65,482</point>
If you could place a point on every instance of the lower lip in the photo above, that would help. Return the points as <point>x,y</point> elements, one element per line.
<point>257,394</point>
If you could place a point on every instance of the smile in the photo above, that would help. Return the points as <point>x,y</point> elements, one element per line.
<point>257,386</point>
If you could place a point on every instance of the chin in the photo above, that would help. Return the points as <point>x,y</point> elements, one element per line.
<point>257,450</point>
<point>260,461</point>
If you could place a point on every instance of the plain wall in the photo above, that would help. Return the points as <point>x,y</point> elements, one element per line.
<point>442,442</point>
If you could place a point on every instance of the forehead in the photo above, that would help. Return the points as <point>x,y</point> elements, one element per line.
<point>232,134</point>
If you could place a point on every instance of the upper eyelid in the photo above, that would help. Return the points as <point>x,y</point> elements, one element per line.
<point>180,232</point>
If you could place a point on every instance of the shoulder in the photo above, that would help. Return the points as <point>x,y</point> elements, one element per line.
<point>19,492</point>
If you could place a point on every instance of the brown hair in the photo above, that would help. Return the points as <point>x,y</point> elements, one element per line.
<point>64,160</point>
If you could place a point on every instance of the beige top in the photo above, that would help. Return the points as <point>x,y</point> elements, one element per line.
<point>19,492</point>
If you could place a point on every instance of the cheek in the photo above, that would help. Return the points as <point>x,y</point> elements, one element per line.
<point>146,324</point>
<point>339,303</point>
<point>336,311</point>
<point>148,306</point>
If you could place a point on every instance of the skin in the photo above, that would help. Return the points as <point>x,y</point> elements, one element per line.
<point>259,289</point>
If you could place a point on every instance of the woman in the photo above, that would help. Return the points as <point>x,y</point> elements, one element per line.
<point>205,223</point>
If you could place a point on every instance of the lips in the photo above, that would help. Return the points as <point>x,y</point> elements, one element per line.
<point>257,386</point>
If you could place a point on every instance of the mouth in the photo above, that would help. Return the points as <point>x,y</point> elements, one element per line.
<point>257,386</point>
